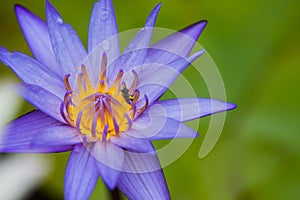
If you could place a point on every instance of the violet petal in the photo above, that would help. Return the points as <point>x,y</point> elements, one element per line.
<point>131,143</point>
<point>109,159</point>
<point>185,109</point>
<point>143,177</point>
<point>32,72</point>
<point>42,99</point>
<point>177,45</point>
<point>68,49</point>
<point>36,33</point>
<point>152,127</point>
<point>18,135</point>
<point>103,37</point>
<point>136,51</point>
<point>155,79</point>
<point>58,135</point>
<point>103,25</point>
<point>81,174</point>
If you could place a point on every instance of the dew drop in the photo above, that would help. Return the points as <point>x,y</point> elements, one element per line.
<point>59,21</point>
<point>104,15</point>
<point>105,45</point>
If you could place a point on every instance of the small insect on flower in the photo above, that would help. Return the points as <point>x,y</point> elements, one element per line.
<point>130,94</point>
<point>127,96</point>
<point>98,111</point>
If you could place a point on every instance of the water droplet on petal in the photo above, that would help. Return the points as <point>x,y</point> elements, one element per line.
<point>105,45</point>
<point>59,21</point>
<point>104,15</point>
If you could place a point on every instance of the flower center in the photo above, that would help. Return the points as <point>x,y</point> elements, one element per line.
<point>100,111</point>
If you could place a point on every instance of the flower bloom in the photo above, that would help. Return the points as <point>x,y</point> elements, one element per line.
<point>99,104</point>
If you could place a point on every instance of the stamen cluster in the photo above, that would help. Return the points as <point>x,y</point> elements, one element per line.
<point>100,111</point>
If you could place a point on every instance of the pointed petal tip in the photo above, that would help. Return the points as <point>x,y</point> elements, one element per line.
<point>224,106</point>
<point>158,6</point>
<point>110,185</point>
<point>204,22</point>
<point>18,8</point>
<point>49,7</point>
<point>111,176</point>
<point>3,55</point>
<point>52,12</point>
<point>153,15</point>
<point>193,57</point>
<point>194,31</point>
<point>3,50</point>
<point>201,23</point>
<point>21,10</point>
<point>230,106</point>
<point>48,2</point>
<point>199,53</point>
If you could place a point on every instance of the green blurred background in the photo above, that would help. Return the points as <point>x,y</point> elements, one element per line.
<point>255,45</point>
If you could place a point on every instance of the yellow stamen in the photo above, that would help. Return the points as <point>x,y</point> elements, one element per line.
<point>100,111</point>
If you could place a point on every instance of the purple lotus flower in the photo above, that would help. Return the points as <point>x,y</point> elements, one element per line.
<point>99,104</point>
